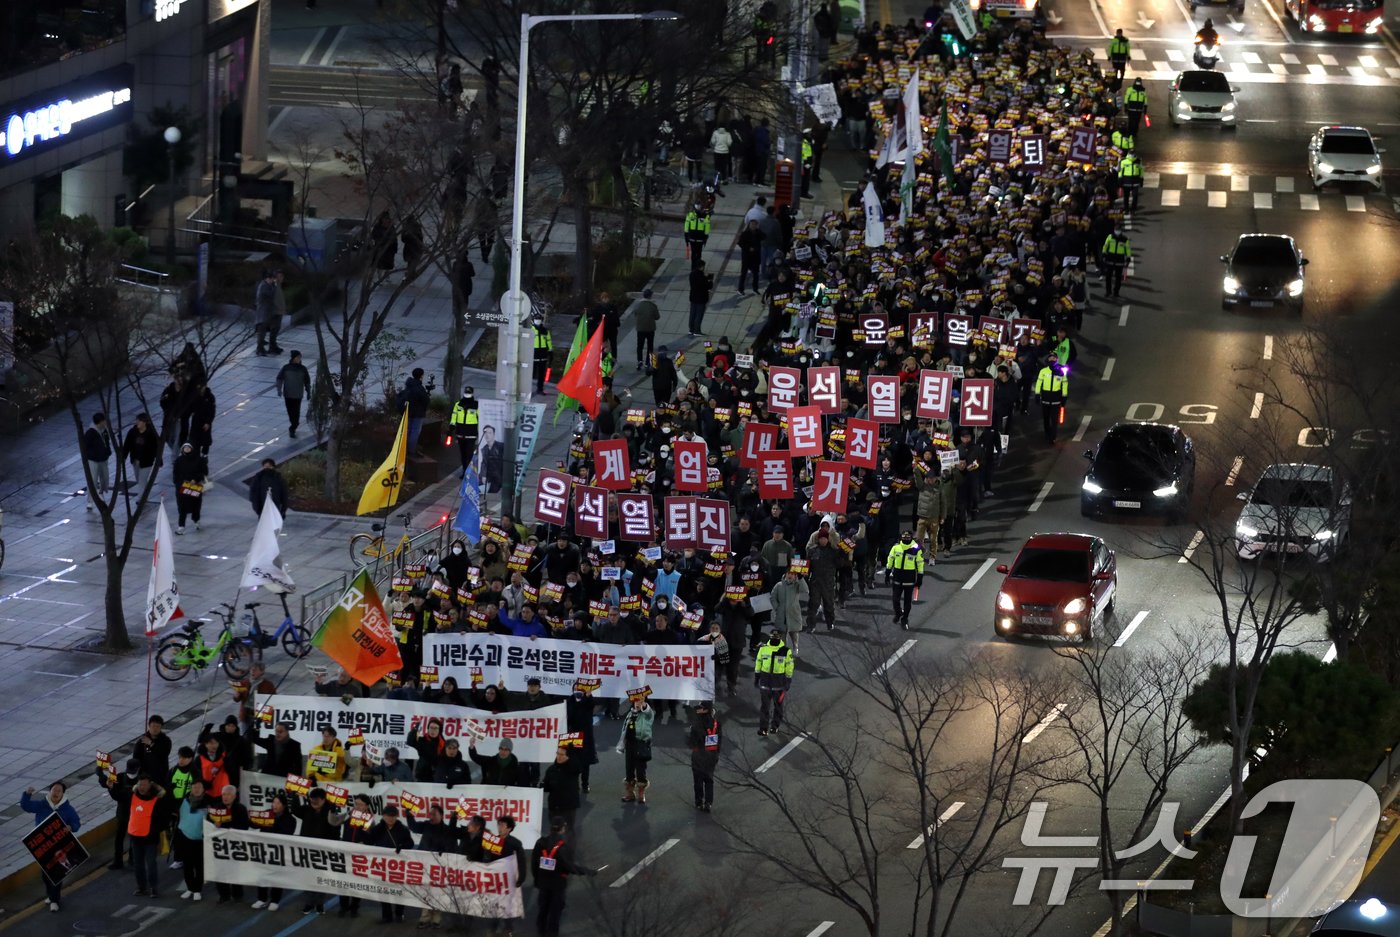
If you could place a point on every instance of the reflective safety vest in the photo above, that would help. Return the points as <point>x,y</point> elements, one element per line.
<point>462,415</point>
<point>697,225</point>
<point>1130,170</point>
<point>1118,47</point>
<point>607,363</point>
<point>1124,141</point>
<point>806,151</point>
<point>1062,350</point>
<point>906,557</point>
<point>1135,99</point>
<point>543,340</point>
<point>774,660</point>
<point>1051,385</point>
<point>143,811</point>
<point>1116,251</point>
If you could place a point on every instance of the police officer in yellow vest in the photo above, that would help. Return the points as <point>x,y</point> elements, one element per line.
<point>544,350</point>
<point>1118,51</point>
<point>697,232</point>
<point>1123,141</point>
<point>772,674</point>
<point>1130,180</point>
<point>806,164</point>
<point>465,425</point>
<point>1135,104</point>
<point>1052,387</point>
<point>1113,258</point>
<point>905,568</point>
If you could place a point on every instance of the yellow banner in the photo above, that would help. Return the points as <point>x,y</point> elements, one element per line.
<point>382,489</point>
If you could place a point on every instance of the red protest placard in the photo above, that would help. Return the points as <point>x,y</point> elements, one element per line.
<point>824,388</point>
<point>552,497</point>
<point>775,476</point>
<point>759,439</point>
<point>612,466</point>
<point>591,512</point>
<point>712,525</point>
<point>935,400</point>
<point>636,523</point>
<point>883,404</point>
<point>680,523</point>
<point>862,442</point>
<point>690,466</point>
<point>831,483</point>
<point>784,388</point>
<point>977,402</point>
<point>805,431</point>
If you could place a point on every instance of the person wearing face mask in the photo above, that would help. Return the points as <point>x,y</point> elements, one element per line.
<point>787,596</point>
<point>905,567</point>
<point>456,564</point>
<point>726,662</point>
<point>664,632</point>
<point>635,747</point>
<point>772,674</point>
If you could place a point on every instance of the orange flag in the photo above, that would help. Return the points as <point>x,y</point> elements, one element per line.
<point>584,380</point>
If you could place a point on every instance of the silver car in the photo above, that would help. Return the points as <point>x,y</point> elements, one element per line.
<point>1294,508</point>
<point>1344,154</point>
<point>1201,95</point>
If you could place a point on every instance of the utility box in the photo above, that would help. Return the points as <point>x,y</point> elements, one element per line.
<point>785,183</point>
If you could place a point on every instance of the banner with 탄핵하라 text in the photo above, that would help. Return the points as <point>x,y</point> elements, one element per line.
<point>524,804</point>
<point>674,672</point>
<point>415,877</point>
<point>385,722</point>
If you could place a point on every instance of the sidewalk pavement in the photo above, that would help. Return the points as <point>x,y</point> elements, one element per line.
<point>63,702</point>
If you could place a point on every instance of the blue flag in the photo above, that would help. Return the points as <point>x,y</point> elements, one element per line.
<point>468,519</point>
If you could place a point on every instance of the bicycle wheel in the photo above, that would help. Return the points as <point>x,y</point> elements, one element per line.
<point>362,549</point>
<point>295,641</point>
<point>171,662</point>
<point>237,658</point>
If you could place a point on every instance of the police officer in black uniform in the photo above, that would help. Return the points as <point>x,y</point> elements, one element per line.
<point>552,863</point>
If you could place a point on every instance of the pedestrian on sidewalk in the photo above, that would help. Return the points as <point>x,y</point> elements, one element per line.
<point>772,230</point>
<point>750,253</point>
<point>385,241</point>
<point>268,483</point>
<point>97,449</point>
<point>267,321</point>
<point>761,146</point>
<point>412,246</point>
<point>119,788</point>
<point>645,316</point>
<point>696,232</point>
<point>720,142</point>
<point>701,284</point>
<point>189,471</point>
<point>202,419</point>
<point>465,426</point>
<point>293,383</point>
<point>416,397</point>
<point>663,376</point>
<point>55,801</point>
<point>142,448</point>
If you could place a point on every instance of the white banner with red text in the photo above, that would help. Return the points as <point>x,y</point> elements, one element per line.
<point>674,672</point>
<point>381,723</point>
<point>413,877</point>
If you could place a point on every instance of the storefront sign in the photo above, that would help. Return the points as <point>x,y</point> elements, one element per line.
<point>61,115</point>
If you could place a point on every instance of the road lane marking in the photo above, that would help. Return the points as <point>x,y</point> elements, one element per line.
<point>1108,368</point>
<point>1283,183</point>
<point>821,928</point>
<point>1083,425</point>
<point>55,577</point>
<point>1277,69</point>
<point>1239,183</point>
<point>1288,58</point>
<point>1128,631</point>
<point>1195,180</point>
<point>1123,315</point>
<point>1326,59</point>
<point>894,658</point>
<point>1191,547</point>
<point>1171,198</point>
<point>1307,202</point>
<point>1234,470</point>
<point>1268,347</point>
<point>1317,69</point>
<point>782,752</point>
<point>1263,200</point>
<point>1258,407</point>
<point>636,870</point>
<point>1040,498</point>
<point>1215,199</point>
<point>329,57</point>
<point>987,564</point>
<point>1356,203</point>
<point>1176,55</point>
<point>1368,61</point>
<point>311,46</point>
<point>1152,180</point>
<point>1252,58</point>
<point>1044,723</point>
<point>943,818</point>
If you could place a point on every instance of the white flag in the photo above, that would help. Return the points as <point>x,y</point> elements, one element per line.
<point>264,566</point>
<point>913,127</point>
<point>906,188</point>
<point>163,594</point>
<point>874,217</point>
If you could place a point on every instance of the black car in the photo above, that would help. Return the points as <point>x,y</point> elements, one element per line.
<point>1140,468</point>
<point>1263,270</point>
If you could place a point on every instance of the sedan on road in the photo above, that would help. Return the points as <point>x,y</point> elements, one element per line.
<point>1059,584</point>
<point>1344,154</point>
<point>1140,468</point>
<point>1198,95</point>
<point>1294,508</point>
<point>1263,270</point>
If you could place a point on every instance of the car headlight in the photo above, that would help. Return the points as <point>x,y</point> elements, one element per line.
<point>1316,22</point>
<point>1373,170</point>
<point>1295,288</point>
<point>1228,107</point>
<point>1182,106</point>
<point>1166,492</point>
<point>1245,531</point>
<point>1092,488</point>
<point>1325,167</point>
<point>1005,602</point>
<point>1074,606</point>
<point>1323,535</point>
<point>1231,285</point>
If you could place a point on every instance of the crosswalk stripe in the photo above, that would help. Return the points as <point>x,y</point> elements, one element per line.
<point>1368,61</point>
<point>1288,58</point>
<point>1239,183</point>
<point>1176,55</point>
<point>1263,200</point>
<point>1356,203</point>
<point>1277,69</point>
<point>1171,198</point>
<point>1240,68</point>
<point>1317,69</point>
<point>1283,183</point>
<point>1307,202</point>
<point>1137,55</point>
<point>1161,67</point>
<point>1215,199</point>
<point>1392,71</point>
<point>1253,58</point>
<point>1195,180</point>
<point>1356,71</point>
<point>1151,180</point>
<point>1326,59</point>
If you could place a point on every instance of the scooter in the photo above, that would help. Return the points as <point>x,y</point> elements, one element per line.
<point>1207,54</point>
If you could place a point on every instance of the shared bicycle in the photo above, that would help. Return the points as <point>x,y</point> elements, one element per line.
<point>366,547</point>
<point>187,652</point>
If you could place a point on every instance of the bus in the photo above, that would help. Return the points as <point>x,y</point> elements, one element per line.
<point>1017,9</point>
<point>1337,16</point>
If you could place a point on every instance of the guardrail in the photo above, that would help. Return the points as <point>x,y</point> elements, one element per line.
<point>427,546</point>
<point>133,275</point>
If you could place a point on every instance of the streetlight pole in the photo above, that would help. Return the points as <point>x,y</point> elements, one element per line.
<point>172,139</point>
<point>515,346</point>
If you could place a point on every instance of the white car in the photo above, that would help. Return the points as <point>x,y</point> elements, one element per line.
<point>1201,95</point>
<point>1344,154</point>
<point>1294,508</point>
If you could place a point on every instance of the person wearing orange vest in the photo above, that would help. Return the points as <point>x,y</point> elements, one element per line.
<point>143,825</point>
<point>704,739</point>
<point>552,864</point>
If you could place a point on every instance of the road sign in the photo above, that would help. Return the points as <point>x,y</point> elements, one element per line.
<point>508,300</point>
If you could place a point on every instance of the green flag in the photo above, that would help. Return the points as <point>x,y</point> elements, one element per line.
<point>580,339</point>
<point>942,144</point>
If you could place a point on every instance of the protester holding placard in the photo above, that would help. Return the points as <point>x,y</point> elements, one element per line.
<point>318,821</point>
<point>389,833</point>
<point>189,839</point>
<point>119,788</point>
<point>282,821</point>
<point>53,802</point>
<point>327,761</point>
<point>227,812</point>
<point>355,829</point>
<point>502,768</point>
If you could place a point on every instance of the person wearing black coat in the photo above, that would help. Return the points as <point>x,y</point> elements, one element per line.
<point>389,833</point>
<point>663,377</point>
<point>141,448</point>
<point>120,789</point>
<point>502,768</point>
<point>552,864</point>
<point>439,838</point>
<point>560,784</point>
<point>202,419</point>
<point>578,714</point>
<point>188,472</point>
<point>283,756</point>
<point>451,768</point>
<point>318,821</point>
<point>268,483</point>
<point>430,745</point>
<point>284,823</point>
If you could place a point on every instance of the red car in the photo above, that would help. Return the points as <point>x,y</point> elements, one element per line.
<point>1059,584</point>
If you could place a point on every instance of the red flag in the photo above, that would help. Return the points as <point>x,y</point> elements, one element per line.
<point>584,380</point>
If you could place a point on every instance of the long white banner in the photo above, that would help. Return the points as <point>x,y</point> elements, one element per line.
<point>679,672</point>
<point>440,881</point>
<point>525,804</point>
<point>384,722</point>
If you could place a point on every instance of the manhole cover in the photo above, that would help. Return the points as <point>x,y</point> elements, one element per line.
<point>107,926</point>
